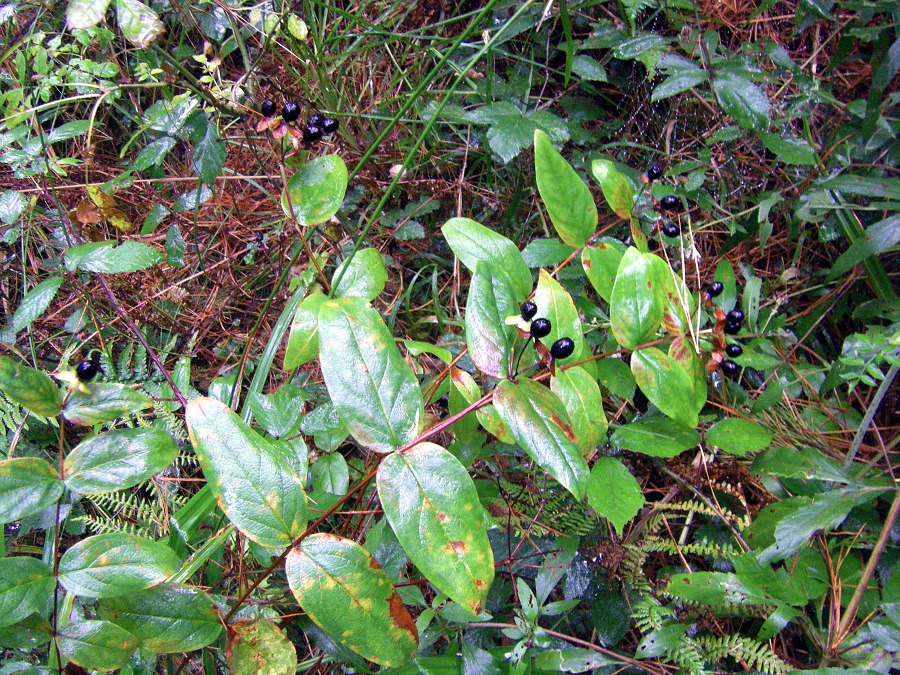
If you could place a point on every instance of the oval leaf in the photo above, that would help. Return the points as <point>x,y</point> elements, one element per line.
<point>364,277</point>
<point>104,403</point>
<point>96,645</point>
<point>616,188</point>
<point>580,394</point>
<point>117,460</point>
<point>303,340</point>
<point>636,305</point>
<point>601,263</point>
<point>738,436</point>
<point>743,100</point>
<point>109,565</point>
<point>255,487</point>
<point>138,23</point>
<point>373,389</point>
<point>472,241</point>
<point>316,191</point>
<point>555,303</point>
<point>26,586</point>
<point>656,436</point>
<point>488,338</point>
<point>106,258</point>
<point>168,618</point>
<point>568,200</point>
<point>433,507</point>
<point>32,389</point>
<point>666,384</point>
<point>613,492</point>
<point>539,423</point>
<point>347,594</point>
<point>258,647</point>
<point>28,485</point>
<point>85,13</point>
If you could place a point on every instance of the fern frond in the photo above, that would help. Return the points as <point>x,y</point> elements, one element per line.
<point>756,654</point>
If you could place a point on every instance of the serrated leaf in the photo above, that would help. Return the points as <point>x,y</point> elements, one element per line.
<point>209,154</point>
<point>601,263</point>
<point>259,647</point>
<point>109,565</point>
<point>316,191</point>
<point>118,459</point>
<point>138,23</point>
<point>28,485</point>
<point>347,594</point>
<point>364,278</point>
<point>26,586</point>
<point>472,241</point>
<point>85,13</point>
<point>538,421</point>
<point>636,304</point>
<point>372,387</point>
<point>168,618</point>
<point>616,189</point>
<point>432,505</point>
<point>32,389</point>
<point>588,68</point>
<point>488,338</point>
<point>104,402</point>
<point>743,100</point>
<point>738,436</point>
<point>568,200</point>
<point>303,339</point>
<point>655,436</point>
<point>252,483</point>
<point>581,396</point>
<point>12,204</point>
<point>613,492</point>
<point>96,645</point>
<point>104,257</point>
<point>35,303</point>
<point>666,384</point>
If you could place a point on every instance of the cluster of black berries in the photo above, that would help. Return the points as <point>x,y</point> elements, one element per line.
<point>732,326</point>
<point>667,203</point>
<point>316,126</point>
<point>540,328</point>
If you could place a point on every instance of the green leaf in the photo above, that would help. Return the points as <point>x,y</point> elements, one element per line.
<point>365,277</point>
<point>259,647</point>
<point>252,483</point>
<point>738,436</point>
<point>85,13</point>
<point>26,586</point>
<point>209,153</point>
<point>330,474</point>
<point>192,199</point>
<point>12,205</point>
<point>472,242</point>
<point>878,238</point>
<point>666,384</point>
<point>32,389</point>
<point>488,338</point>
<point>601,263</point>
<point>117,460</point>
<point>153,154</point>
<point>417,348</point>
<point>347,594</point>
<point>109,565</point>
<point>568,200</point>
<point>613,492</point>
<point>743,100</point>
<point>96,645</point>
<point>168,618</point>
<point>372,387</point>
<point>615,375</point>
<point>31,632</point>
<point>316,191</point>
<point>104,403</point>
<point>175,246</point>
<point>790,150</point>
<point>865,186</point>
<point>511,130</point>
<point>325,426</point>
<point>804,462</point>
<point>538,421</point>
<point>554,303</point>
<point>616,188</point>
<point>633,47</point>
<point>104,257</point>
<point>28,485</point>
<point>675,84</point>
<point>588,68</point>
<point>582,399</point>
<point>546,252</point>
<point>279,413</point>
<point>433,507</point>
<point>35,303</point>
<point>303,339</point>
<point>155,216</point>
<point>636,304</point>
<point>138,23</point>
<point>571,660</point>
<point>655,436</point>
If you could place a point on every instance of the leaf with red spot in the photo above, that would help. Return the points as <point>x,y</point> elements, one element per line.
<point>538,420</point>
<point>433,507</point>
<point>666,384</point>
<point>636,305</point>
<point>347,594</point>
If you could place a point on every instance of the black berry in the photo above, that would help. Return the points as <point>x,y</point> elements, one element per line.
<point>268,108</point>
<point>290,112</point>
<point>669,203</point>
<point>654,172</point>
<point>329,126</point>
<point>732,328</point>
<point>540,328</point>
<point>316,119</point>
<point>670,230</point>
<point>86,371</point>
<point>562,348</point>
<point>730,367</point>
<point>735,316</point>
<point>734,351</point>
<point>715,288</point>
<point>312,133</point>
<point>529,309</point>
